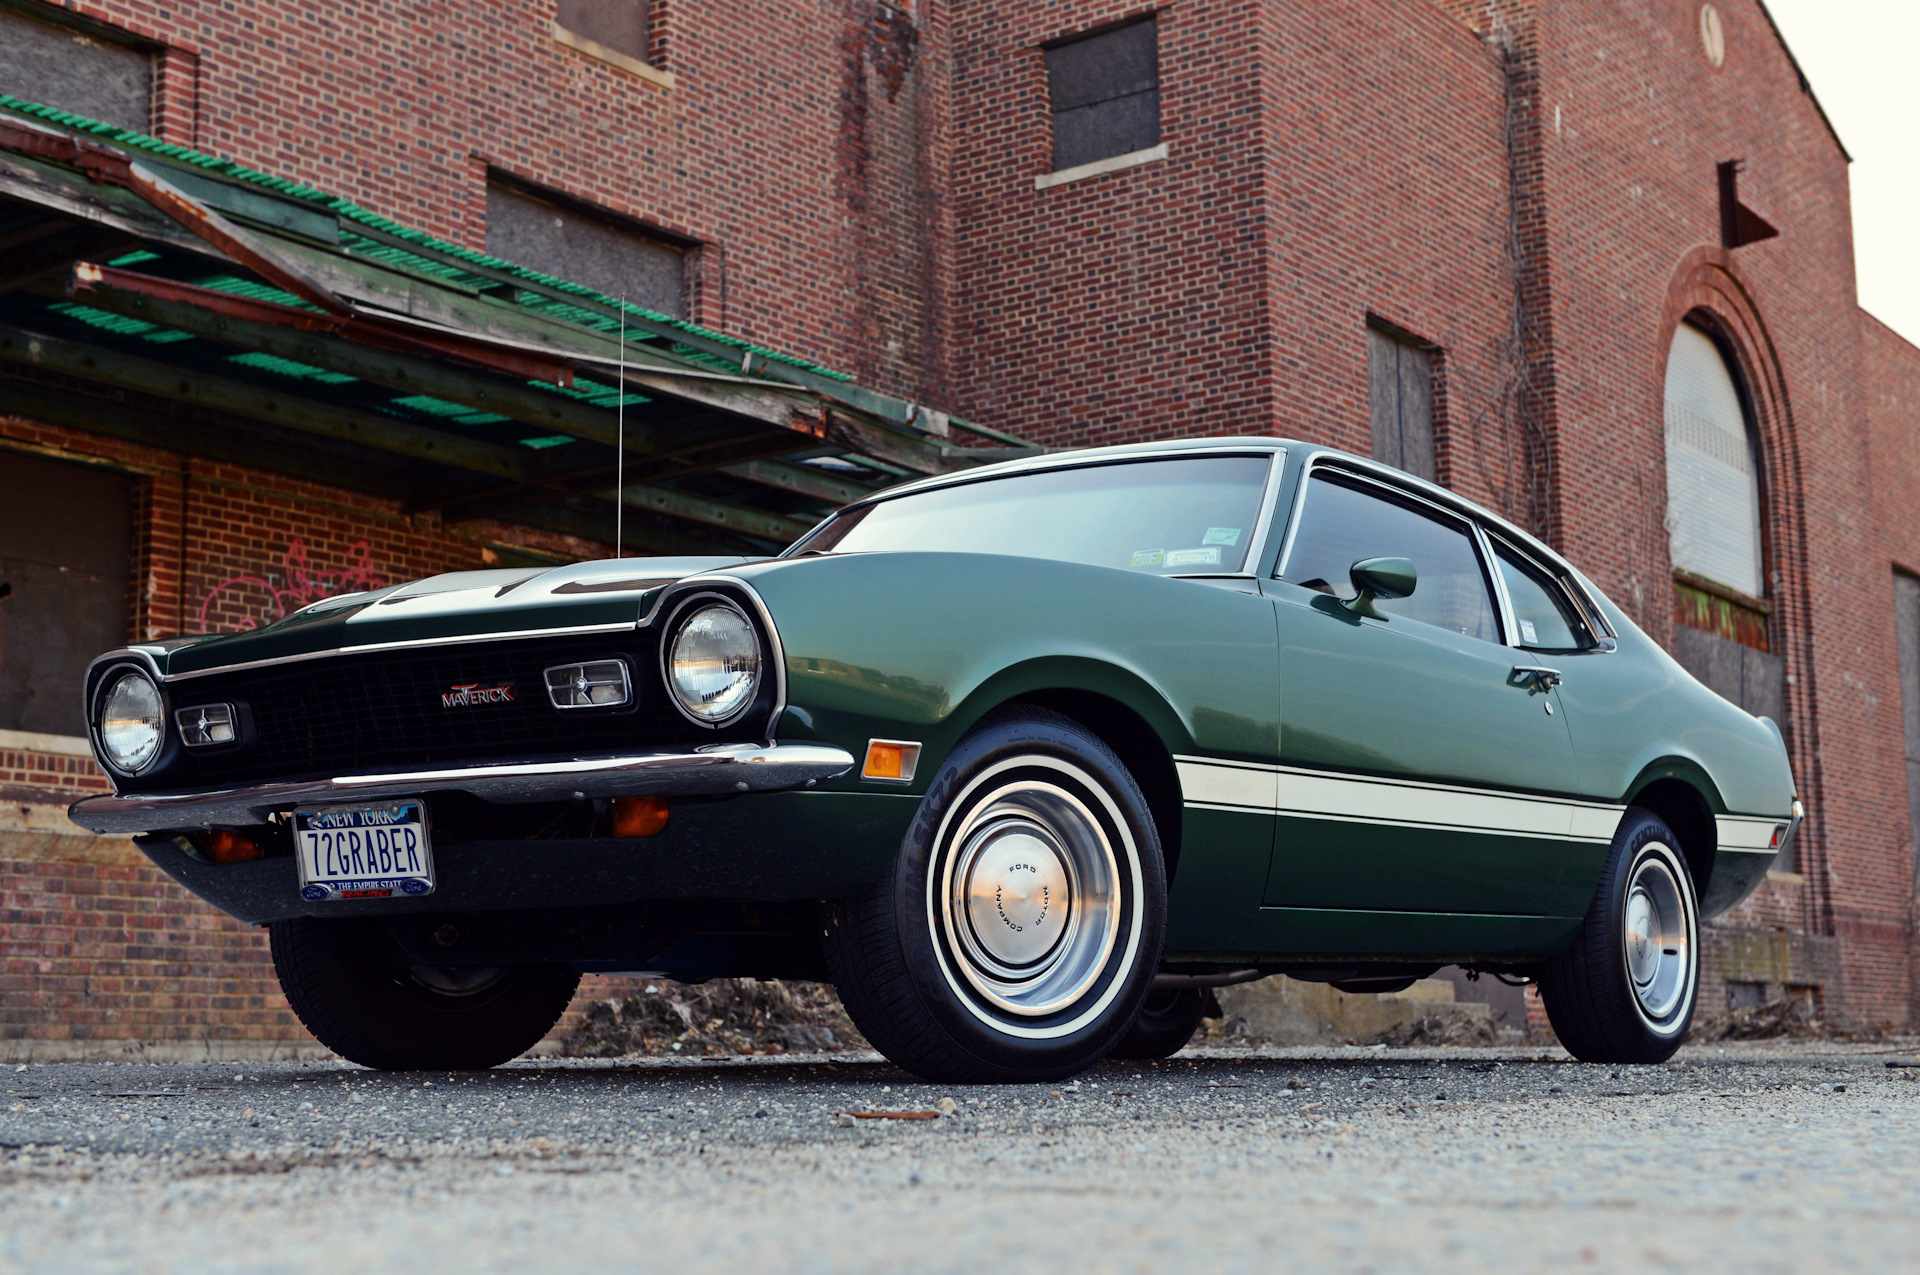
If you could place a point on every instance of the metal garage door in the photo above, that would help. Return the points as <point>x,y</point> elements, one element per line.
<point>64,539</point>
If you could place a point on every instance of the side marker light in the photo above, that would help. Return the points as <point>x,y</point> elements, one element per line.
<point>224,845</point>
<point>891,760</point>
<point>639,816</point>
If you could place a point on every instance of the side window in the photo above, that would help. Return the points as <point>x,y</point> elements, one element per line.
<point>1547,621</point>
<point>1343,522</point>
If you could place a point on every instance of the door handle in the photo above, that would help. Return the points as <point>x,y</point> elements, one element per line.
<point>1536,675</point>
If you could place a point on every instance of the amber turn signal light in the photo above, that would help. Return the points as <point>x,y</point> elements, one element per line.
<point>639,816</point>
<point>224,845</point>
<point>891,759</point>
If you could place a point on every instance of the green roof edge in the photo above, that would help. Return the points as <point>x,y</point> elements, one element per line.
<point>386,225</point>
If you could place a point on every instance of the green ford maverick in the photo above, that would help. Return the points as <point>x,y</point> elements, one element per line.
<point>1022,760</point>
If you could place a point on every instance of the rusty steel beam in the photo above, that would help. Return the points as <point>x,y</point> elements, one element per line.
<point>90,280</point>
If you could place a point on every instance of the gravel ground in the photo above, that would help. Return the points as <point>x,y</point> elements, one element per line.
<point>1755,1157</point>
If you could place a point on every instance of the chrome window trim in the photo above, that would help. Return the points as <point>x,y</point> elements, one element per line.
<point>1487,522</point>
<point>1563,581</point>
<point>1509,623</point>
<point>1276,452</point>
<point>1383,478</point>
<point>1373,474</point>
<point>1263,524</point>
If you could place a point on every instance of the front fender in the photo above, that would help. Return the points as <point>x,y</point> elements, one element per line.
<point>920,646</point>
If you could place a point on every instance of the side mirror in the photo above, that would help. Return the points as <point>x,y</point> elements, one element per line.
<point>1381,578</point>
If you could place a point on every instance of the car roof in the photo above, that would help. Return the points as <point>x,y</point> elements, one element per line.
<point>1307,452</point>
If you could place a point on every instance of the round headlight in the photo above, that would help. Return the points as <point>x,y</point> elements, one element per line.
<point>714,663</point>
<point>130,722</point>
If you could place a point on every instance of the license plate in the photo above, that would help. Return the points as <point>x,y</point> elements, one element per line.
<point>363,852</point>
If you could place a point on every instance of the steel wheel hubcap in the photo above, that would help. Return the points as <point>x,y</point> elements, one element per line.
<point>1030,894</point>
<point>1657,938</point>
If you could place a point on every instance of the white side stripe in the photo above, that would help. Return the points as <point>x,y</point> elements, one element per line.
<point>1228,786</point>
<point>1748,835</point>
<point>1287,790</point>
<point>1250,787</point>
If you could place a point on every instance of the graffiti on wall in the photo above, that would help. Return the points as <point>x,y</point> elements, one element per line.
<point>247,602</point>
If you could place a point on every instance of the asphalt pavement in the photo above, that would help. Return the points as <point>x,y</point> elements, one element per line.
<point>1754,1157</point>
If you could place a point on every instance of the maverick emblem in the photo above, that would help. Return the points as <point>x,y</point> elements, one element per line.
<point>473,695</point>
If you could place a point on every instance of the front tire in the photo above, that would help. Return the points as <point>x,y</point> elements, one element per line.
<point>364,998</point>
<point>1019,929</point>
<point>1625,991</point>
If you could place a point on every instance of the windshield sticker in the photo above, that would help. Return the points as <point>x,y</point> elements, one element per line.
<point>1209,557</point>
<point>1148,557</point>
<point>1527,632</point>
<point>1221,536</point>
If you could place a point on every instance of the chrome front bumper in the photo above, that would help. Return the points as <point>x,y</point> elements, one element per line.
<point>714,770</point>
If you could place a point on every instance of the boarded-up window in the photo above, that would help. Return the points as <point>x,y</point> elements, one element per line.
<point>1400,403</point>
<point>64,537</point>
<point>1906,597</point>
<point>1106,94</point>
<point>563,239</point>
<point>1713,484</point>
<point>76,72</point>
<point>621,25</point>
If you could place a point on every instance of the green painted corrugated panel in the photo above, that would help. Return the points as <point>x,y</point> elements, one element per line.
<point>288,367</point>
<point>395,258</point>
<point>591,392</point>
<point>427,405</point>
<point>253,291</point>
<point>118,324</point>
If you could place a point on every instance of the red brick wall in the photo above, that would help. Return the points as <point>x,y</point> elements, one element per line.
<point>807,142</point>
<point>866,193</point>
<point>108,951</point>
<point>1325,163</point>
<point>1892,385</point>
<point>101,952</point>
<point>1635,120</point>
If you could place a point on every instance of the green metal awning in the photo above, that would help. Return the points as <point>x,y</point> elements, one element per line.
<point>166,297</point>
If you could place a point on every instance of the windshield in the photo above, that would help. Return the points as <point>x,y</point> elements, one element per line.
<point>1188,516</point>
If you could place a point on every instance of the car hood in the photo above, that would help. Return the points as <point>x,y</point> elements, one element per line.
<point>460,604</point>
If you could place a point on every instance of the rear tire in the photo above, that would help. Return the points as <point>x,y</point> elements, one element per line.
<point>1625,991</point>
<point>364,998</point>
<point>1021,924</point>
<point>1165,1023</point>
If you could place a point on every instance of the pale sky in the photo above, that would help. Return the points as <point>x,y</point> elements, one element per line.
<point>1863,59</point>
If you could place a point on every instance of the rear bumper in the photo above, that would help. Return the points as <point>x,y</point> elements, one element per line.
<point>712,771</point>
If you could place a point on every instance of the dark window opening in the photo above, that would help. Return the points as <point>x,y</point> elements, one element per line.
<point>1400,403</point>
<point>1906,600</point>
<point>65,536</point>
<point>620,25</point>
<point>573,241</point>
<point>76,70</point>
<point>1106,94</point>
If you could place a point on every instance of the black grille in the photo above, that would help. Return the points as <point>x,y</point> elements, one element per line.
<point>356,713</point>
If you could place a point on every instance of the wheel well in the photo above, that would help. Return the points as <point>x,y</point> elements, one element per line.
<point>1686,812</point>
<point>1138,747</point>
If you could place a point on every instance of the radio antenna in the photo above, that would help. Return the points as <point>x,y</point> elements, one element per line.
<point>620,446</point>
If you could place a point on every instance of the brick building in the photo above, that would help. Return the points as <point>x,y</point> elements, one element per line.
<point>1586,261</point>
